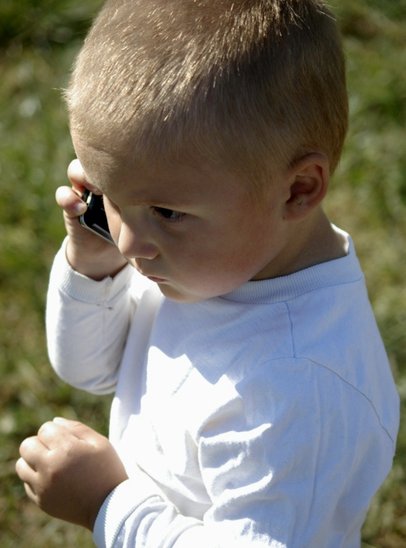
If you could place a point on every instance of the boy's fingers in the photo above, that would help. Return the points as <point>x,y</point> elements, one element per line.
<point>66,422</point>
<point>70,201</point>
<point>77,176</point>
<point>30,449</point>
<point>77,428</point>
<point>57,432</point>
<point>24,471</point>
<point>53,435</point>
<point>30,492</point>
<point>76,173</point>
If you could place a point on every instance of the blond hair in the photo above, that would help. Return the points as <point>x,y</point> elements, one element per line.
<point>244,83</point>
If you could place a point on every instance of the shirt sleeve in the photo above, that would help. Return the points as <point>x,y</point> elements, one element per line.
<point>86,325</point>
<point>137,513</point>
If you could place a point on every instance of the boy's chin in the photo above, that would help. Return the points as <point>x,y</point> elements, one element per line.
<point>180,295</point>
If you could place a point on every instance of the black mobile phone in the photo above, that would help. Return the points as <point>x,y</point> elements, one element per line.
<point>94,217</point>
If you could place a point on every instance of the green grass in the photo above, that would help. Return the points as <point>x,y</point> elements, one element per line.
<point>38,41</point>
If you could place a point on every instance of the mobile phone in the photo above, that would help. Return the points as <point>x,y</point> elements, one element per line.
<point>94,218</point>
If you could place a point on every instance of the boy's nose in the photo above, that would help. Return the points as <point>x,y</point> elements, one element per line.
<point>135,244</point>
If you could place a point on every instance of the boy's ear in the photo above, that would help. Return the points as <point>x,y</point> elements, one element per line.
<point>308,182</point>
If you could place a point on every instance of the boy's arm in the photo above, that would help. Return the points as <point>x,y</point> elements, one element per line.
<point>284,472</point>
<point>86,325</point>
<point>68,470</point>
<point>88,304</point>
<point>74,474</point>
<point>285,461</point>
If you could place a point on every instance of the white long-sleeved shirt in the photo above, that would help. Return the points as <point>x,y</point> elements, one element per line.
<point>266,417</point>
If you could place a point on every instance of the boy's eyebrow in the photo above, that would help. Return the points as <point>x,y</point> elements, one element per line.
<point>154,200</point>
<point>164,203</point>
<point>170,194</point>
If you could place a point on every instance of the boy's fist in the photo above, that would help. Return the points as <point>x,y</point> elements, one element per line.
<point>68,470</point>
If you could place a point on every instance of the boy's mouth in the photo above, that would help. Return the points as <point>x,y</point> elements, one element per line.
<point>156,279</point>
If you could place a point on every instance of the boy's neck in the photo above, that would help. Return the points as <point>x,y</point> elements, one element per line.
<point>313,242</point>
<point>318,242</point>
<point>323,243</point>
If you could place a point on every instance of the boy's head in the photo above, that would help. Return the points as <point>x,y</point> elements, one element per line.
<point>245,84</point>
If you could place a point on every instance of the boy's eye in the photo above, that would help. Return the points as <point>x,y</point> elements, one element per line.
<point>168,214</point>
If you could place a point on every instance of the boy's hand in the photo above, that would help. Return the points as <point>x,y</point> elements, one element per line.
<point>68,470</point>
<point>86,252</point>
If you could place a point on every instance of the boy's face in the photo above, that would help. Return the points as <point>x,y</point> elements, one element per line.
<point>195,231</point>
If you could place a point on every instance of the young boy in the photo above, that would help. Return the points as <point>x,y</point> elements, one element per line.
<point>254,404</point>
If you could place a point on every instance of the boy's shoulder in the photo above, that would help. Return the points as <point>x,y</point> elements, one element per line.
<point>315,327</point>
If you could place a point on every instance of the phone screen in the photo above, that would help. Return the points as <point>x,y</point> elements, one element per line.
<point>94,217</point>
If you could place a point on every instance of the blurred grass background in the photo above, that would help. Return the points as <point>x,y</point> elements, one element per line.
<point>38,41</point>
